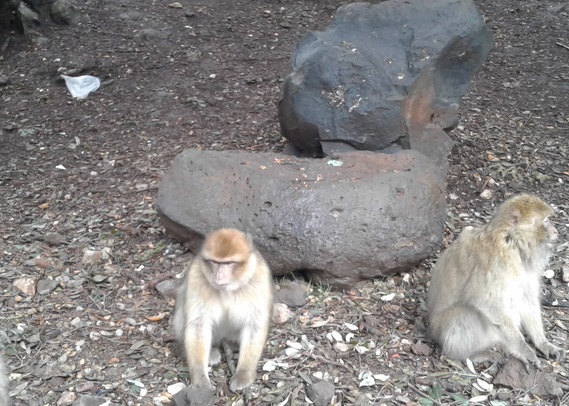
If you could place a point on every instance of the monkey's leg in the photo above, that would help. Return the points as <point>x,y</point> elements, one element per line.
<point>464,332</point>
<point>513,342</point>
<point>533,326</point>
<point>197,343</point>
<point>180,318</point>
<point>251,344</point>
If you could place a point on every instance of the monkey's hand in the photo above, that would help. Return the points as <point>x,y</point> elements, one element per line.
<point>203,386</point>
<point>202,382</point>
<point>552,351</point>
<point>529,358</point>
<point>242,379</point>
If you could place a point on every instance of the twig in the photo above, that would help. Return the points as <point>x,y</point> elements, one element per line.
<point>134,278</point>
<point>228,355</point>
<point>152,284</point>
<point>331,362</point>
<point>562,45</point>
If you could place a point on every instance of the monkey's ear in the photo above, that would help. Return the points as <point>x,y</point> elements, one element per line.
<point>515,217</point>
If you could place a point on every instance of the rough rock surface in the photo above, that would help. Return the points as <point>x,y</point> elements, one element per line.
<point>33,17</point>
<point>380,69</point>
<point>539,382</point>
<point>373,215</point>
<point>292,294</point>
<point>28,18</point>
<point>321,393</point>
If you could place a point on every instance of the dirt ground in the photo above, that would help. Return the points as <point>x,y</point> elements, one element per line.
<point>79,175</point>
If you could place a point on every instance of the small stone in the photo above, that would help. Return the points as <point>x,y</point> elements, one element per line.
<point>321,393</point>
<point>87,386</point>
<point>292,294</point>
<point>66,398</point>
<point>151,34</point>
<point>194,396</point>
<point>30,262</point>
<point>46,286</point>
<point>53,239</point>
<point>486,194</point>
<point>167,288</point>
<point>175,388</point>
<point>63,12</point>
<point>26,285</point>
<point>42,262</point>
<point>565,275</point>
<point>281,313</point>
<point>91,257</point>
<point>175,5</point>
<point>89,400</point>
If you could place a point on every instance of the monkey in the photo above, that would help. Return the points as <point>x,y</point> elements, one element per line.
<point>485,288</point>
<point>4,384</point>
<point>227,292</point>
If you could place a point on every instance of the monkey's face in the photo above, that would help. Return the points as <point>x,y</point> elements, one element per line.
<point>530,215</point>
<point>549,231</point>
<point>226,256</point>
<point>223,274</point>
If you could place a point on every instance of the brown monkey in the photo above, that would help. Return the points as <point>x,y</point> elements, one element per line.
<point>226,293</point>
<point>485,288</point>
<point>4,385</point>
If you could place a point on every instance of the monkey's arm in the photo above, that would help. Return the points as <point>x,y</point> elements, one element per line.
<point>513,341</point>
<point>532,323</point>
<point>251,344</point>
<point>197,344</point>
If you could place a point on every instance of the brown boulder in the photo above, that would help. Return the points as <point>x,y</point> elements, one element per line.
<point>359,215</point>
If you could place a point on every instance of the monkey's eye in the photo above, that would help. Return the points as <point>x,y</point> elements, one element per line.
<point>546,220</point>
<point>230,263</point>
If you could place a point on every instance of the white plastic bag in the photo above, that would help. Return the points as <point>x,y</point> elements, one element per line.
<point>81,86</point>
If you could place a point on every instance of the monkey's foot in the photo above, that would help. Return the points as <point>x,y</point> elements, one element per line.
<point>202,386</point>
<point>528,363</point>
<point>488,355</point>
<point>199,379</point>
<point>241,380</point>
<point>552,351</point>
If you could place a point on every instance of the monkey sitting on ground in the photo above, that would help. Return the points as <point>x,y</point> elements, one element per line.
<point>485,288</point>
<point>226,293</point>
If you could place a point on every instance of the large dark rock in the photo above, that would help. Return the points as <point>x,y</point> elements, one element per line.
<point>384,77</point>
<point>31,16</point>
<point>375,214</point>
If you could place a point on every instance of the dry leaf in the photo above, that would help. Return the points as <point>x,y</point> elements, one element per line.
<point>318,322</point>
<point>158,317</point>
